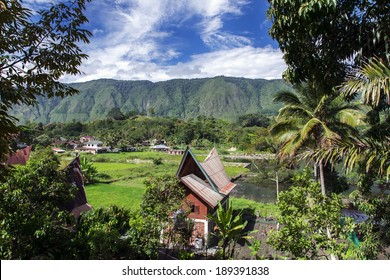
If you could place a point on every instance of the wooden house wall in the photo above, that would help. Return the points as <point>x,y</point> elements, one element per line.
<point>204,209</point>
<point>190,167</point>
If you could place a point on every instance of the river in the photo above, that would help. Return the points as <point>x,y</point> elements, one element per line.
<point>266,192</point>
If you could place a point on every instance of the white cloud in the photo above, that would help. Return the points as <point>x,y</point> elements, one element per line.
<point>128,42</point>
<point>247,62</point>
<point>211,25</point>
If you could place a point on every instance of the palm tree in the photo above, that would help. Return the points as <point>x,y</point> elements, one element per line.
<point>372,82</point>
<point>310,120</point>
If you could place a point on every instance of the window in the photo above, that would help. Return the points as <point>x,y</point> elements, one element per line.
<point>194,209</point>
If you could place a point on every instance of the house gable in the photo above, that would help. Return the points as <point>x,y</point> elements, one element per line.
<point>19,157</point>
<point>214,168</point>
<point>190,165</point>
<point>208,180</point>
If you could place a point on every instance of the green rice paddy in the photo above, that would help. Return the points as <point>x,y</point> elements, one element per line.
<point>122,175</point>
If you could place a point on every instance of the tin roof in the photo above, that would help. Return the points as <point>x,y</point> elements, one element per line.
<point>207,179</point>
<point>20,156</point>
<point>214,168</point>
<point>202,189</point>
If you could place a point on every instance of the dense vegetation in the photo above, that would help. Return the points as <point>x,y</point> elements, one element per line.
<point>249,132</point>
<point>219,97</point>
<point>336,52</point>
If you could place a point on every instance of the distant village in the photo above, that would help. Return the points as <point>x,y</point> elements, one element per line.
<point>89,144</point>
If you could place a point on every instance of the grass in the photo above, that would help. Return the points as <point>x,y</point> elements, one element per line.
<point>122,176</point>
<point>119,193</point>
<point>264,209</point>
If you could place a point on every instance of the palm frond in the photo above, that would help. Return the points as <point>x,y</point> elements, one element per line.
<point>372,80</point>
<point>287,97</point>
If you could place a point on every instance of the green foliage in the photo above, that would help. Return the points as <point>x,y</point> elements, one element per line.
<point>376,231</point>
<point>321,38</point>
<point>255,248</point>
<point>230,229</point>
<point>305,216</point>
<point>162,197</point>
<point>88,170</point>
<point>255,119</point>
<point>33,224</point>
<point>100,235</point>
<point>116,114</point>
<point>144,235</point>
<point>220,97</point>
<point>37,48</point>
<point>157,161</point>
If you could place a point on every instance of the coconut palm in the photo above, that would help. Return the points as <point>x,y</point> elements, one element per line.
<point>310,120</point>
<point>372,82</point>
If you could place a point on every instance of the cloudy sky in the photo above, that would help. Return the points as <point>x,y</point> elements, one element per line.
<point>165,39</point>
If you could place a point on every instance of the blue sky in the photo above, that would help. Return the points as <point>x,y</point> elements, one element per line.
<point>167,39</point>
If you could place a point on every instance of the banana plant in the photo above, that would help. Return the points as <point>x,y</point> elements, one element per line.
<point>230,229</point>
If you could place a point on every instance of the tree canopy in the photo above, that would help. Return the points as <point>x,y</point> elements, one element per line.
<point>36,49</point>
<point>320,39</point>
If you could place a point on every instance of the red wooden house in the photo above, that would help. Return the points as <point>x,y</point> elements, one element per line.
<point>206,184</point>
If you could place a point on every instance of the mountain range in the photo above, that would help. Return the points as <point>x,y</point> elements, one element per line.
<point>221,97</point>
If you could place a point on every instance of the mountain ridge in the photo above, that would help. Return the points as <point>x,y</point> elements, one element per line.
<point>221,97</point>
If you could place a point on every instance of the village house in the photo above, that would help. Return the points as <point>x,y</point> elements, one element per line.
<point>93,147</point>
<point>87,138</point>
<point>160,148</point>
<point>206,184</point>
<point>57,150</point>
<point>73,175</point>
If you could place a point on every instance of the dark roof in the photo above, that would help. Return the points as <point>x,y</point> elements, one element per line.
<point>20,156</point>
<point>79,203</point>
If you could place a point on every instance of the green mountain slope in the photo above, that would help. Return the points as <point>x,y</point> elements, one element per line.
<point>220,97</point>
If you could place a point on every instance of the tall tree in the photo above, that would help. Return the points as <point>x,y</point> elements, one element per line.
<point>371,150</point>
<point>36,49</point>
<point>33,225</point>
<point>310,120</point>
<point>321,38</point>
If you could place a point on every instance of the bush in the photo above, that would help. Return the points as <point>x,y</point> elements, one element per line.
<point>100,235</point>
<point>157,161</point>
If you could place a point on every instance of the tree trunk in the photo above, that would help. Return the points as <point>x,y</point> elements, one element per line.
<point>277,194</point>
<point>323,190</point>
<point>277,186</point>
<point>322,178</point>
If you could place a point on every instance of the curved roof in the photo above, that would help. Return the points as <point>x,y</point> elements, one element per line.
<point>207,179</point>
<point>202,189</point>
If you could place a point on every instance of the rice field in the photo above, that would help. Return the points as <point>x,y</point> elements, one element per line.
<point>121,177</point>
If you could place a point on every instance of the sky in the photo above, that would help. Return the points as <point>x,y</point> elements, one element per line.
<point>159,40</point>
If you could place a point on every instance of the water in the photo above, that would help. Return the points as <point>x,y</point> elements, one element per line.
<point>265,193</point>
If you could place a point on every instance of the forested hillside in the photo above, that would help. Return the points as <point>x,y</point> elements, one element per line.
<point>220,97</point>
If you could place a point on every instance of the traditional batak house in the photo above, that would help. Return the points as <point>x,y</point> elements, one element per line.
<point>80,203</point>
<point>73,171</point>
<point>19,157</point>
<point>206,184</point>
